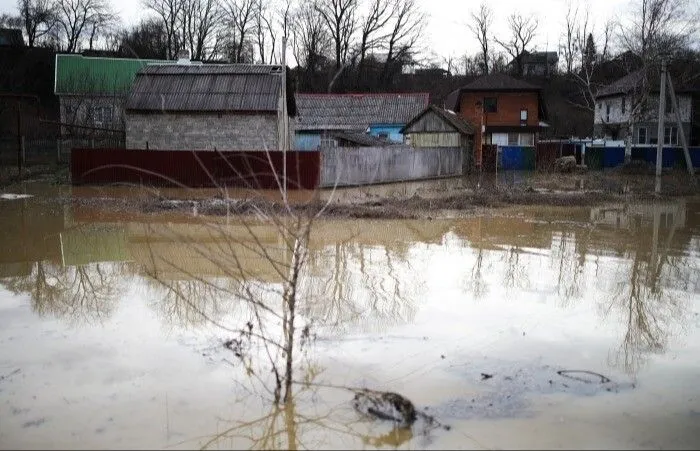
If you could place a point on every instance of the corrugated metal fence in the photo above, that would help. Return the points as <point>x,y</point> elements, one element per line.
<point>250,169</point>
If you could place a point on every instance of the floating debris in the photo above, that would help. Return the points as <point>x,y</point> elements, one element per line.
<point>385,406</point>
<point>392,407</point>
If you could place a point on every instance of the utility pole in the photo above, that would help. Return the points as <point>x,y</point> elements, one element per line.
<point>285,120</point>
<point>684,143</point>
<point>660,129</point>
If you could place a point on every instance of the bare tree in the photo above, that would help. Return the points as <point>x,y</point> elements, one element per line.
<point>340,20</point>
<point>405,30</point>
<point>145,40</point>
<point>310,40</point>
<point>169,12</point>
<point>200,21</point>
<point>372,26</point>
<point>74,19</point>
<point>570,47</point>
<point>480,27</point>
<point>240,16</point>
<point>101,22</point>
<point>10,21</point>
<point>37,18</point>
<point>523,30</point>
<point>659,28</point>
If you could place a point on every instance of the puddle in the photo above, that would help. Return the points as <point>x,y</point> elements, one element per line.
<point>11,196</point>
<point>566,327</point>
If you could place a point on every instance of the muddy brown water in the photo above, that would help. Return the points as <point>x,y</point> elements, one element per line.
<point>535,327</point>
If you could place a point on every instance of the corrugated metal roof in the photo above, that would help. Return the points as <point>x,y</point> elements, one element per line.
<point>78,74</point>
<point>235,87</point>
<point>356,111</point>
<point>212,69</point>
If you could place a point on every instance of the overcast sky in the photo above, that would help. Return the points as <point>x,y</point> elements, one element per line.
<point>446,31</point>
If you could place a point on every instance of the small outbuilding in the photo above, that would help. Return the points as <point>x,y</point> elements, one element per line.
<point>437,127</point>
<point>208,107</point>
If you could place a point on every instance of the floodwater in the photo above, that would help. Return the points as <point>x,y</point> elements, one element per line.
<point>531,327</point>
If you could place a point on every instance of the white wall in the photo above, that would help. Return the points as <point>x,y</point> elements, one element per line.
<point>617,117</point>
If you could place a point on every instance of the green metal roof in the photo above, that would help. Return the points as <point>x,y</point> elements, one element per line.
<point>78,74</point>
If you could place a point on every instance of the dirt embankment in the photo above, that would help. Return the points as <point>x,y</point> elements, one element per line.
<point>430,199</point>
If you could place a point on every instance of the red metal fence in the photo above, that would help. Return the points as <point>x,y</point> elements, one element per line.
<point>196,169</point>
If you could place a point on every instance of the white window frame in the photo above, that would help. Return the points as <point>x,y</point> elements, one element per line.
<point>672,135</point>
<point>646,135</point>
<point>527,139</point>
<point>102,115</point>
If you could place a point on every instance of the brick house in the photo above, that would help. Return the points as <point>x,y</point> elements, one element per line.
<point>207,107</point>
<point>510,112</point>
<point>381,115</point>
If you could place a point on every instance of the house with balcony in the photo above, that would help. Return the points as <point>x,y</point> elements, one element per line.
<point>624,102</point>
<point>506,111</point>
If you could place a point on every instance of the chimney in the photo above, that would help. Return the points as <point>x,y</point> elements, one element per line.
<point>183,57</point>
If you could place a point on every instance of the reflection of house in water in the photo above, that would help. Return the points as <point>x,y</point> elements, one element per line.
<point>30,232</point>
<point>182,251</point>
<point>627,216</point>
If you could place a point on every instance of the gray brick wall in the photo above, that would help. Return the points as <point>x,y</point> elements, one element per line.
<point>178,131</point>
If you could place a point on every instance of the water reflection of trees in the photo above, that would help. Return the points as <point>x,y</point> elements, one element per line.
<point>358,287</point>
<point>646,293</point>
<point>290,426</point>
<point>81,294</point>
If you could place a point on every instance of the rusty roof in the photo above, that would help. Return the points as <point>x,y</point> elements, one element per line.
<point>206,88</point>
<point>456,121</point>
<point>356,112</point>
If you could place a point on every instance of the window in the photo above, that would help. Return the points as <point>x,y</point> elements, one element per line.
<point>671,135</point>
<point>328,142</point>
<point>624,104</point>
<point>490,105</point>
<point>642,135</point>
<point>101,116</point>
<point>512,139</point>
<point>523,115</point>
<point>607,112</point>
<point>527,139</point>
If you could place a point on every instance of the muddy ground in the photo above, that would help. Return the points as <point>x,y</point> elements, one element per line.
<point>454,196</point>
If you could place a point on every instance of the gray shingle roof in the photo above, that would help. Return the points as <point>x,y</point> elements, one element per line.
<point>202,88</point>
<point>498,82</point>
<point>361,139</point>
<point>457,122</point>
<point>634,80</point>
<point>356,112</point>
<point>622,85</point>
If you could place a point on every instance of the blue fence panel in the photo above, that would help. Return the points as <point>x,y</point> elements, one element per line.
<point>694,156</point>
<point>669,155</point>
<point>512,158</point>
<point>613,156</point>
